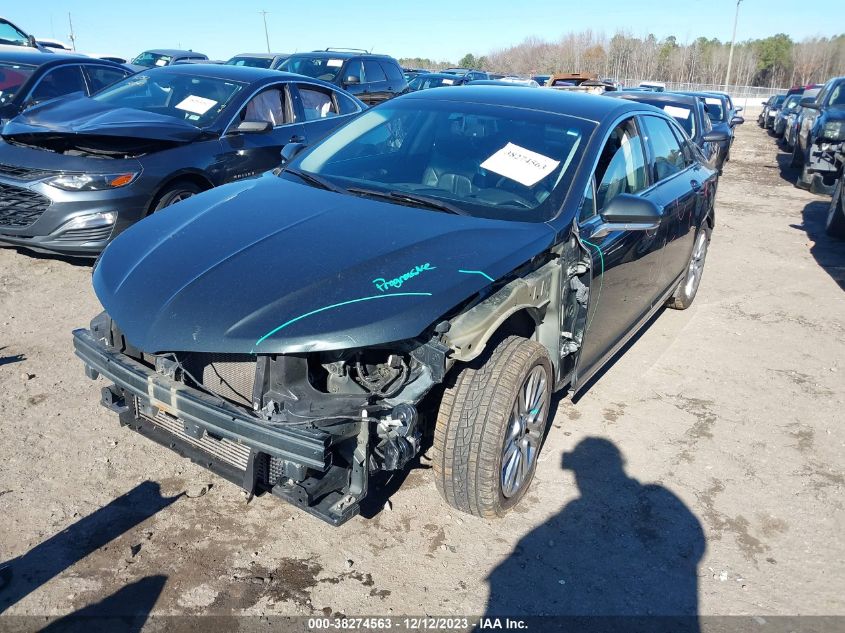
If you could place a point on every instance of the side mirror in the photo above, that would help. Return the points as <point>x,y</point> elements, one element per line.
<point>739,109</point>
<point>30,41</point>
<point>765,102</point>
<point>627,212</point>
<point>737,120</point>
<point>351,80</point>
<point>290,150</point>
<point>809,102</point>
<point>715,137</point>
<point>253,127</point>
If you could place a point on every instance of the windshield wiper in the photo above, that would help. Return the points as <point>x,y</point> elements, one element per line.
<point>316,180</point>
<point>414,198</point>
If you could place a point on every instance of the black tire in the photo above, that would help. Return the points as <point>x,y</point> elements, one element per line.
<point>797,159</point>
<point>474,421</point>
<point>174,193</point>
<point>835,223</point>
<point>685,293</point>
<point>805,178</point>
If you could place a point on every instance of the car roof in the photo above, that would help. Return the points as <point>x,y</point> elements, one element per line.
<point>662,97</point>
<point>173,52</point>
<point>260,55</point>
<point>585,106</point>
<point>339,54</point>
<point>37,58</point>
<point>246,74</point>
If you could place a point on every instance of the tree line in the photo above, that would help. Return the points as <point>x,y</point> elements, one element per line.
<point>776,62</point>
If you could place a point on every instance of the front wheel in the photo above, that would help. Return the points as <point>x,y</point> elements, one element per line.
<point>797,159</point>
<point>685,293</point>
<point>835,222</point>
<point>175,193</point>
<point>490,428</point>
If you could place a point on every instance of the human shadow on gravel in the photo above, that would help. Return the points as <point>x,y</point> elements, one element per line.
<point>622,556</point>
<point>828,252</point>
<point>124,611</point>
<point>22,575</point>
<point>8,360</point>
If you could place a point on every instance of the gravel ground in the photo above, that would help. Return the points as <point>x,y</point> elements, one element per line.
<point>702,472</point>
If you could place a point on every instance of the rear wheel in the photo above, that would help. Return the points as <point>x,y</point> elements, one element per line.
<point>835,223</point>
<point>174,193</point>
<point>685,292</point>
<point>490,427</point>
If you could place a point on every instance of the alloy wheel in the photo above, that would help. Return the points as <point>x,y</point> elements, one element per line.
<point>524,432</point>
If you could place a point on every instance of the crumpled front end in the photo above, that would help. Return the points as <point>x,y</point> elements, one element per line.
<point>309,428</point>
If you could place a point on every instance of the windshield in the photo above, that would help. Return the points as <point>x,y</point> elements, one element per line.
<point>252,62</point>
<point>150,60</point>
<point>421,82</point>
<point>715,110</point>
<point>482,160</point>
<point>11,35</point>
<point>12,77</point>
<point>779,100</point>
<point>324,68</point>
<point>792,101</point>
<point>837,96</point>
<point>188,97</point>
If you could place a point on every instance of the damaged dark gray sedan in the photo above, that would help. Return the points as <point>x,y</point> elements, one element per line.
<point>76,171</point>
<point>460,252</point>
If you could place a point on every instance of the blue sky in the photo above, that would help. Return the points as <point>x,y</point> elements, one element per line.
<point>438,29</point>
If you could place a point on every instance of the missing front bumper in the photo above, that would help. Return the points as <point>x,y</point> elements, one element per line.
<point>302,465</point>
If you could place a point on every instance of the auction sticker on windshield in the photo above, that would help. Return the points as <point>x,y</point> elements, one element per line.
<point>196,105</point>
<point>520,164</point>
<point>676,112</point>
<point>334,63</point>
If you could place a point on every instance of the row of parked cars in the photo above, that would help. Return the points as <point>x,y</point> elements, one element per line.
<point>809,121</point>
<point>302,293</point>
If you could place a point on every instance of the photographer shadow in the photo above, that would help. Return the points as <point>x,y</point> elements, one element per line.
<point>622,556</point>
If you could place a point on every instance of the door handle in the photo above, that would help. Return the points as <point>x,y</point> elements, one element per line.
<point>297,138</point>
<point>696,186</point>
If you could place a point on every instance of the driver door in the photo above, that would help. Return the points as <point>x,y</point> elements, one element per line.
<point>250,154</point>
<point>625,264</point>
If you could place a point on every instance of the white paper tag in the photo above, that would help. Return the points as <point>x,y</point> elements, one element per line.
<point>678,113</point>
<point>712,101</point>
<point>161,62</point>
<point>334,63</point>
<point>520,164</point>
<point>448,82</point>
<point>197,105</point>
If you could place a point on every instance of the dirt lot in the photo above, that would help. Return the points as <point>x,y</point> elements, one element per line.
<point>728,417</point>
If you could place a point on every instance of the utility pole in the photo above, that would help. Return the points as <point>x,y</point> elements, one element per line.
<point>72,36</point>
<point>266,36</point>
<point>733,43</point>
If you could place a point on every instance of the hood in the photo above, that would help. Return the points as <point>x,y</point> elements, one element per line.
<point>272,266</point>
<point>77,115</point>
<point>835,113</point>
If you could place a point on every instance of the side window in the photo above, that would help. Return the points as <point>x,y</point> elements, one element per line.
<point>58,82</point>
<point>393,73</point>
<point>317,103</point>
<point>621,166</point>
<point>268,105</point>
<point>101,76</point>
<point>667,153</point>
<point>373,72</point>
<point>354,69</point>
<point>588,206</point>
<point>686,144</point>
<point>345,104</point>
